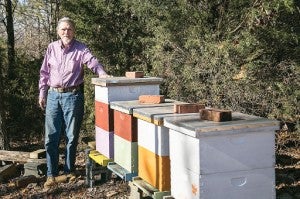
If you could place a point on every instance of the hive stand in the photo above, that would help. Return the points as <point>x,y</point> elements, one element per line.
<point>140,189</point>
<point>96,167</point>
<point>120,171</point>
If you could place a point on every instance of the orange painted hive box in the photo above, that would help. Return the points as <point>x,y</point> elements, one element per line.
<point>104,116</point>
<point>125,126</point>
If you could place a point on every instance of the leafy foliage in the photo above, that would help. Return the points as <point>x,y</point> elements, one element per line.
<point>239,55</point>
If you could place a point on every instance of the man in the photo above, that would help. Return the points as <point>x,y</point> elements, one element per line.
<point>61,94</point>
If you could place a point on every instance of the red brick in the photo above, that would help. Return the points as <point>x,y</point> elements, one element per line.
<point>216,115</point>
<point>136,74</point>
<point>188,108</point>
<point>151,99</point>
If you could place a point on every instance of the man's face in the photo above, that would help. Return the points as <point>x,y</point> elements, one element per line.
<point>65,32</point>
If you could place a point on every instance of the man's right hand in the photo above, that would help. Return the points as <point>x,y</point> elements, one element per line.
<point>42,103</point>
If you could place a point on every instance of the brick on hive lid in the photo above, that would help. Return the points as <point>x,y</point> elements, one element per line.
<point>216,115</point>
<point>188,107</point>
<point>135,74</point>
<point>151,99</point>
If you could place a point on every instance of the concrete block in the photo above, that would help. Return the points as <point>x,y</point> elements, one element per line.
<point>35,168</point>
<point>135,192</point>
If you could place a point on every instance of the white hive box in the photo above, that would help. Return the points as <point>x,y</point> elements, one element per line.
<point>250,184</point>
<point>152,135</point>
<point>104,140</point>
<point>123,89</point>
<point>154,138</point>
<point>200,151</point>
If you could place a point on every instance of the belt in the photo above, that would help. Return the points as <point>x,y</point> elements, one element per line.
<point>65,90</point>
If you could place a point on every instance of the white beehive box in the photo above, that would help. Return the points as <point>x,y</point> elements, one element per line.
<point>250,184</point>
<point>123,89</point>
<point>154,138</point>
<point>206,148</point>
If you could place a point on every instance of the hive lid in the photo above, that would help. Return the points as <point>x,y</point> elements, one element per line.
<point>155,114</point>
<point>121,81</point>
<point>190,124</point>
<point>128,106</point>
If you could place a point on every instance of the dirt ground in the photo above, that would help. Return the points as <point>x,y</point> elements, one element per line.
<point>287,176</point>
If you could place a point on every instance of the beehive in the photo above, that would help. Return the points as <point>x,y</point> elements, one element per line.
<point>233,159</point>
<point>116,89</point>
<point>125,128</point>
<point>153,146</point>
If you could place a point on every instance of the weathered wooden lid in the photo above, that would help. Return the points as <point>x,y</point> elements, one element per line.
<point>121,81</point>
<point>156,114</point>
<point>128,106</point>
<point>192,125</point>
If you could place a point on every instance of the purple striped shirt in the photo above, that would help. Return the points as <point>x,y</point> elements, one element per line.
<point>63,67</point>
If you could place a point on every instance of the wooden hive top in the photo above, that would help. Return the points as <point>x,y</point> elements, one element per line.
<point>123,81</point>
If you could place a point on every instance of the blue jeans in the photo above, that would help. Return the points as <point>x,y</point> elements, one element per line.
<point>64,111</point>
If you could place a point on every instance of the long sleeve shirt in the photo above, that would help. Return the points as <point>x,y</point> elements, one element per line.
<point>63,67</point>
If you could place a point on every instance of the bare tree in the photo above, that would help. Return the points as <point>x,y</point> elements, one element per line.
<point>9,25</point>
<point>7,20</point>
<point>4,141</point>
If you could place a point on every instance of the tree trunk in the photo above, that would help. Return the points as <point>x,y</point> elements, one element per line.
<point>10,39</point>
<point>4,141</point>
<point>4,110</point>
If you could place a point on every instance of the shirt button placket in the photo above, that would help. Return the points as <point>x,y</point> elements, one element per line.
<point>62,69</point>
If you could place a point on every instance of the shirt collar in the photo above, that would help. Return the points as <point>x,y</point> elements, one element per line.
<point>62,45</point>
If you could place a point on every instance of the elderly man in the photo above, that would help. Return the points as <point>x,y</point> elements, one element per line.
<point>61,94</point>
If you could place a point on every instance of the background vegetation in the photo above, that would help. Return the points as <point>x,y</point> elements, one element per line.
<point>240,55</point>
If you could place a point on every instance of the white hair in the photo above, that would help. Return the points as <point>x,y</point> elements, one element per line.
<point>67,20</point>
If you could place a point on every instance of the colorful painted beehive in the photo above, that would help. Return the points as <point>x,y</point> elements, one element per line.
<point>153,146</point>
<point>125,132</point>
<point>116,89</point>
<point>233,159</point>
